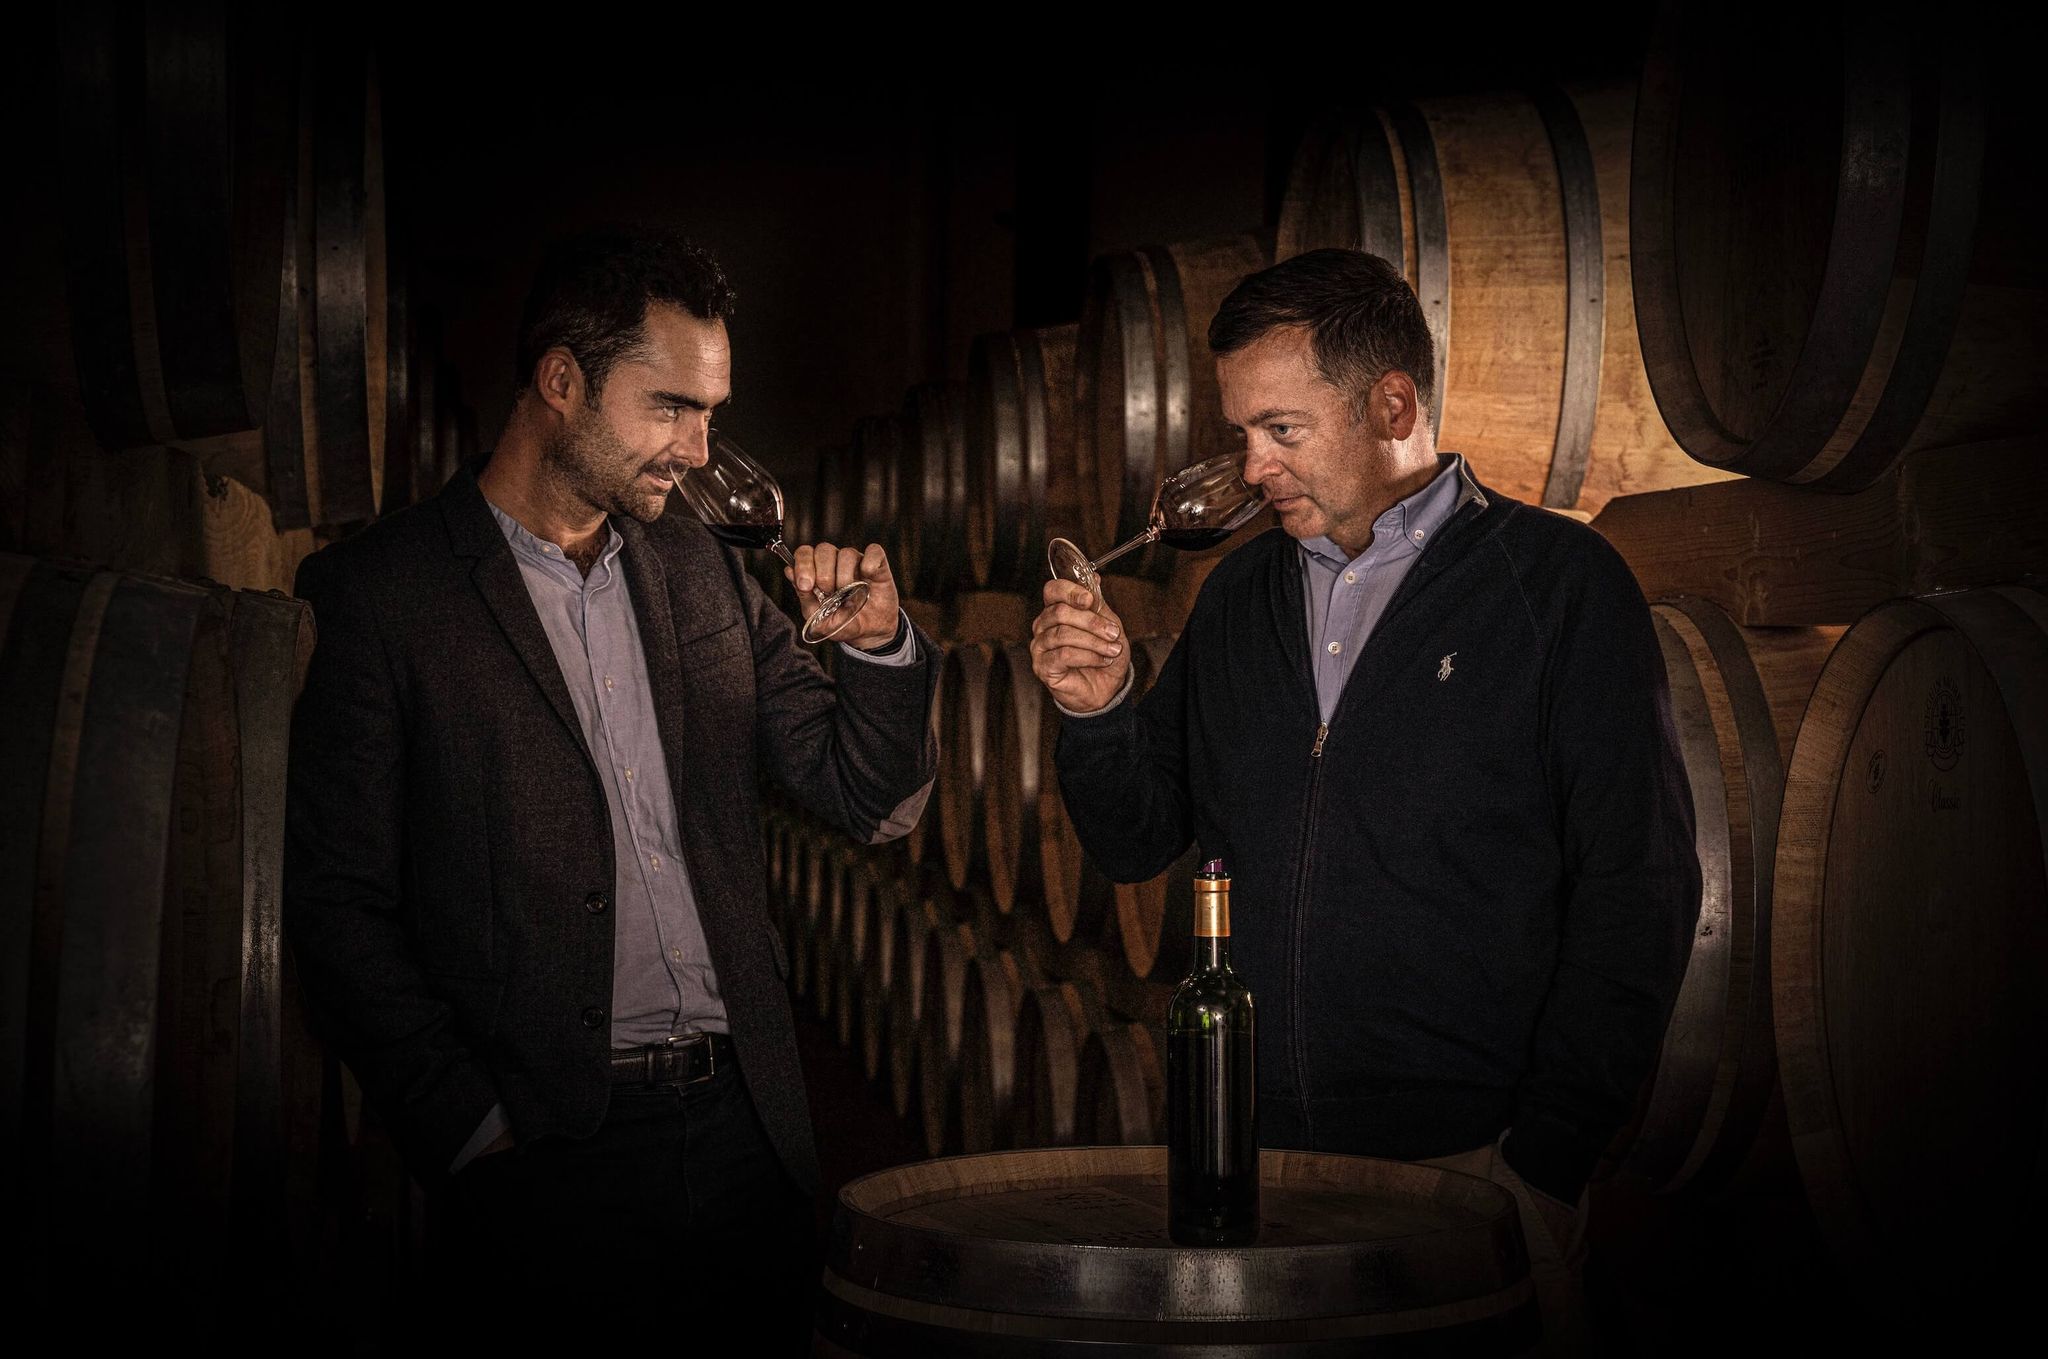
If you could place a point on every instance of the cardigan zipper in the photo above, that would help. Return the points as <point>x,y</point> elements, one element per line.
<point>1298,922</point>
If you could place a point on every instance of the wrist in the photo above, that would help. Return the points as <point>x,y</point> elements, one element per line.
<point>877,644</point>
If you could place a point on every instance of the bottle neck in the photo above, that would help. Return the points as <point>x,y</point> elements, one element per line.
<point>1212,952</point>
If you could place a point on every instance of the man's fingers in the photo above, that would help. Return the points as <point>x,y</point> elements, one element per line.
<point>814,566</point>
<point>1066,592</point>
<point>1080,639</point>
<point>1077,658</point>
<point>1086,620</point>
<point>849,567</point>
<point>874,563</point>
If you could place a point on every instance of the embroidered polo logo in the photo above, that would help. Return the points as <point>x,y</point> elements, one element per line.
<point>1443,669</point>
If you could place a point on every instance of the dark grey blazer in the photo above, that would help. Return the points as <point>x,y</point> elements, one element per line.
<point>448,862</point>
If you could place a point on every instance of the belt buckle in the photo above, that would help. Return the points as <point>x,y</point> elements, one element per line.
<point>678,1041</point>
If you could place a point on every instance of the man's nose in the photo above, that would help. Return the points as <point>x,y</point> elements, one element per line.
<point>694,442</point>
<point>1259,462</point>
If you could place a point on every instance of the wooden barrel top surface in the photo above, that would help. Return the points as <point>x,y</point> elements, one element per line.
<point>1081,1233</point>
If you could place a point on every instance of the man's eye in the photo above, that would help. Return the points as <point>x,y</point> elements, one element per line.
<point>1280,431</point>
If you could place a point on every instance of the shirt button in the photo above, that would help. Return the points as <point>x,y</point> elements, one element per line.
<point>655,859</point>
<point>597,903</point>
<point>608,678</point>
<point>676,954</point>
<point>1418,535</point>
<point>594,1017</point>
<point>1350,576</point>
<point>1336,647</point>
<point>629,776</point>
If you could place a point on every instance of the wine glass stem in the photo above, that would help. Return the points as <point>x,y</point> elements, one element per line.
<point>781,550</point>
<point>1150,535</point>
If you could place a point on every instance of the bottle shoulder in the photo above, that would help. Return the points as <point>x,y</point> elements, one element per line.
<point>1208,999</point>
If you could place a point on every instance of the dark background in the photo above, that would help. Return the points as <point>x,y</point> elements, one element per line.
<point>879,211</point>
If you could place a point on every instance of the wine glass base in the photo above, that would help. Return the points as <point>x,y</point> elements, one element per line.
<point>836,614</point>
<point>1069,563</point>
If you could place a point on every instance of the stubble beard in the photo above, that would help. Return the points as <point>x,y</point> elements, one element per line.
<point>593,465</point>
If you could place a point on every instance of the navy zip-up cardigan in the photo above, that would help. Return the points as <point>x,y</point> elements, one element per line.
<point>1466,905</point>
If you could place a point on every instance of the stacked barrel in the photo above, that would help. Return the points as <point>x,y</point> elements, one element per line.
<point>253,368</point>
<point>250,371</point>
<point>990,1023</point>
<point>162,1089</point>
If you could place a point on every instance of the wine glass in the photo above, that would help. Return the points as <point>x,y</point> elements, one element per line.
<point>1197,507</point>
<point>738,500</point>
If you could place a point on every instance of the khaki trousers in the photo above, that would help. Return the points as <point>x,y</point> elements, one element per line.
<point>1557,1268</point>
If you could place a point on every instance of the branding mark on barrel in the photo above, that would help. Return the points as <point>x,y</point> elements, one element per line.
<point>1945,729</point>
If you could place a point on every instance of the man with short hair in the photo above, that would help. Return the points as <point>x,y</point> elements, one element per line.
<point>524,878</point>
<point>1428,730</point>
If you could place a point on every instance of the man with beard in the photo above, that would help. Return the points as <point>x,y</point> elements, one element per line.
<point>524,881</point>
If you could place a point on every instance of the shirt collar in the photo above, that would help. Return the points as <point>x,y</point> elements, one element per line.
<point>1407,525</point>
<point>525,544</point>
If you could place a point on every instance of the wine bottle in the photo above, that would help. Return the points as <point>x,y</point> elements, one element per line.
<point>1212,1131</point>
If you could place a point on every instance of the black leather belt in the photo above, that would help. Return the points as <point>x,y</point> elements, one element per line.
<point>683,1060</point>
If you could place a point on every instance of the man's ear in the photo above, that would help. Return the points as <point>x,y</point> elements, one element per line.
<point>558,379</point>
<point>1395,405</point>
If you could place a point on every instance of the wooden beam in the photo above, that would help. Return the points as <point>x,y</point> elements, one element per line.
<point>1778,556</point>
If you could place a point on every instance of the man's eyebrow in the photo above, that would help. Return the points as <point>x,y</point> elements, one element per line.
<point>1263,416</point>
<point>695,403</point>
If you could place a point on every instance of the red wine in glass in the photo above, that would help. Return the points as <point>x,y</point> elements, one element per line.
<point>740,502</point>
<point>1196,508</point>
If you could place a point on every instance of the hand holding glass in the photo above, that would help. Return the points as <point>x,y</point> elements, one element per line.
<point>1197,507</point>
<point>738,500</point>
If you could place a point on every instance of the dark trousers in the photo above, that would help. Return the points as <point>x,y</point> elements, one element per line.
<point>674,1222</point>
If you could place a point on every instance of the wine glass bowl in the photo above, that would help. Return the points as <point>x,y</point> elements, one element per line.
<point>1197,507</point>
<point>740,502</point>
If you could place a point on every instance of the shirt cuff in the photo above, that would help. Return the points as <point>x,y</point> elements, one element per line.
<point>495,1125</point>
<point>901,649</point>
<point>1130,678</point>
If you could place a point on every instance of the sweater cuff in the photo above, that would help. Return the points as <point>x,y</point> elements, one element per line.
<point>1130,678</point>
<point>1549,1156</point>
<point>898,650</point>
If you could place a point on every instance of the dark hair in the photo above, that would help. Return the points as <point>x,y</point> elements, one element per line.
<point>591,293</point>
<point>1361,315</point>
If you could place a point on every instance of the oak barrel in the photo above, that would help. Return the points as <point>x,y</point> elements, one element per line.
<point>1736,698</point>
<point>176,130</point>
<point>994,986</point>
<point>1022,489</point>
<point>1065,1252</point>
<point>148,1036</point>
<point>1909,941</point>
<point>915,924</point>
<point>1052,1024</point>
<point>949,949</point>
<point>875,511</point>
<point>1509,215</point>
<point>1120,1092</point>
<point>963,761</point>
<point>326,423</point>
<point>1145,397</point>
<point>1142,908</point>
<point>1833,243</point>
<point>932,490</point>
<point>1017,709</point>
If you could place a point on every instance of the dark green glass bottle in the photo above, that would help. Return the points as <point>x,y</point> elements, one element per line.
<point>1212,1112</point>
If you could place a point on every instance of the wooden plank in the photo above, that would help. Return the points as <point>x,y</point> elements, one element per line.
<point>1781,556</point>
